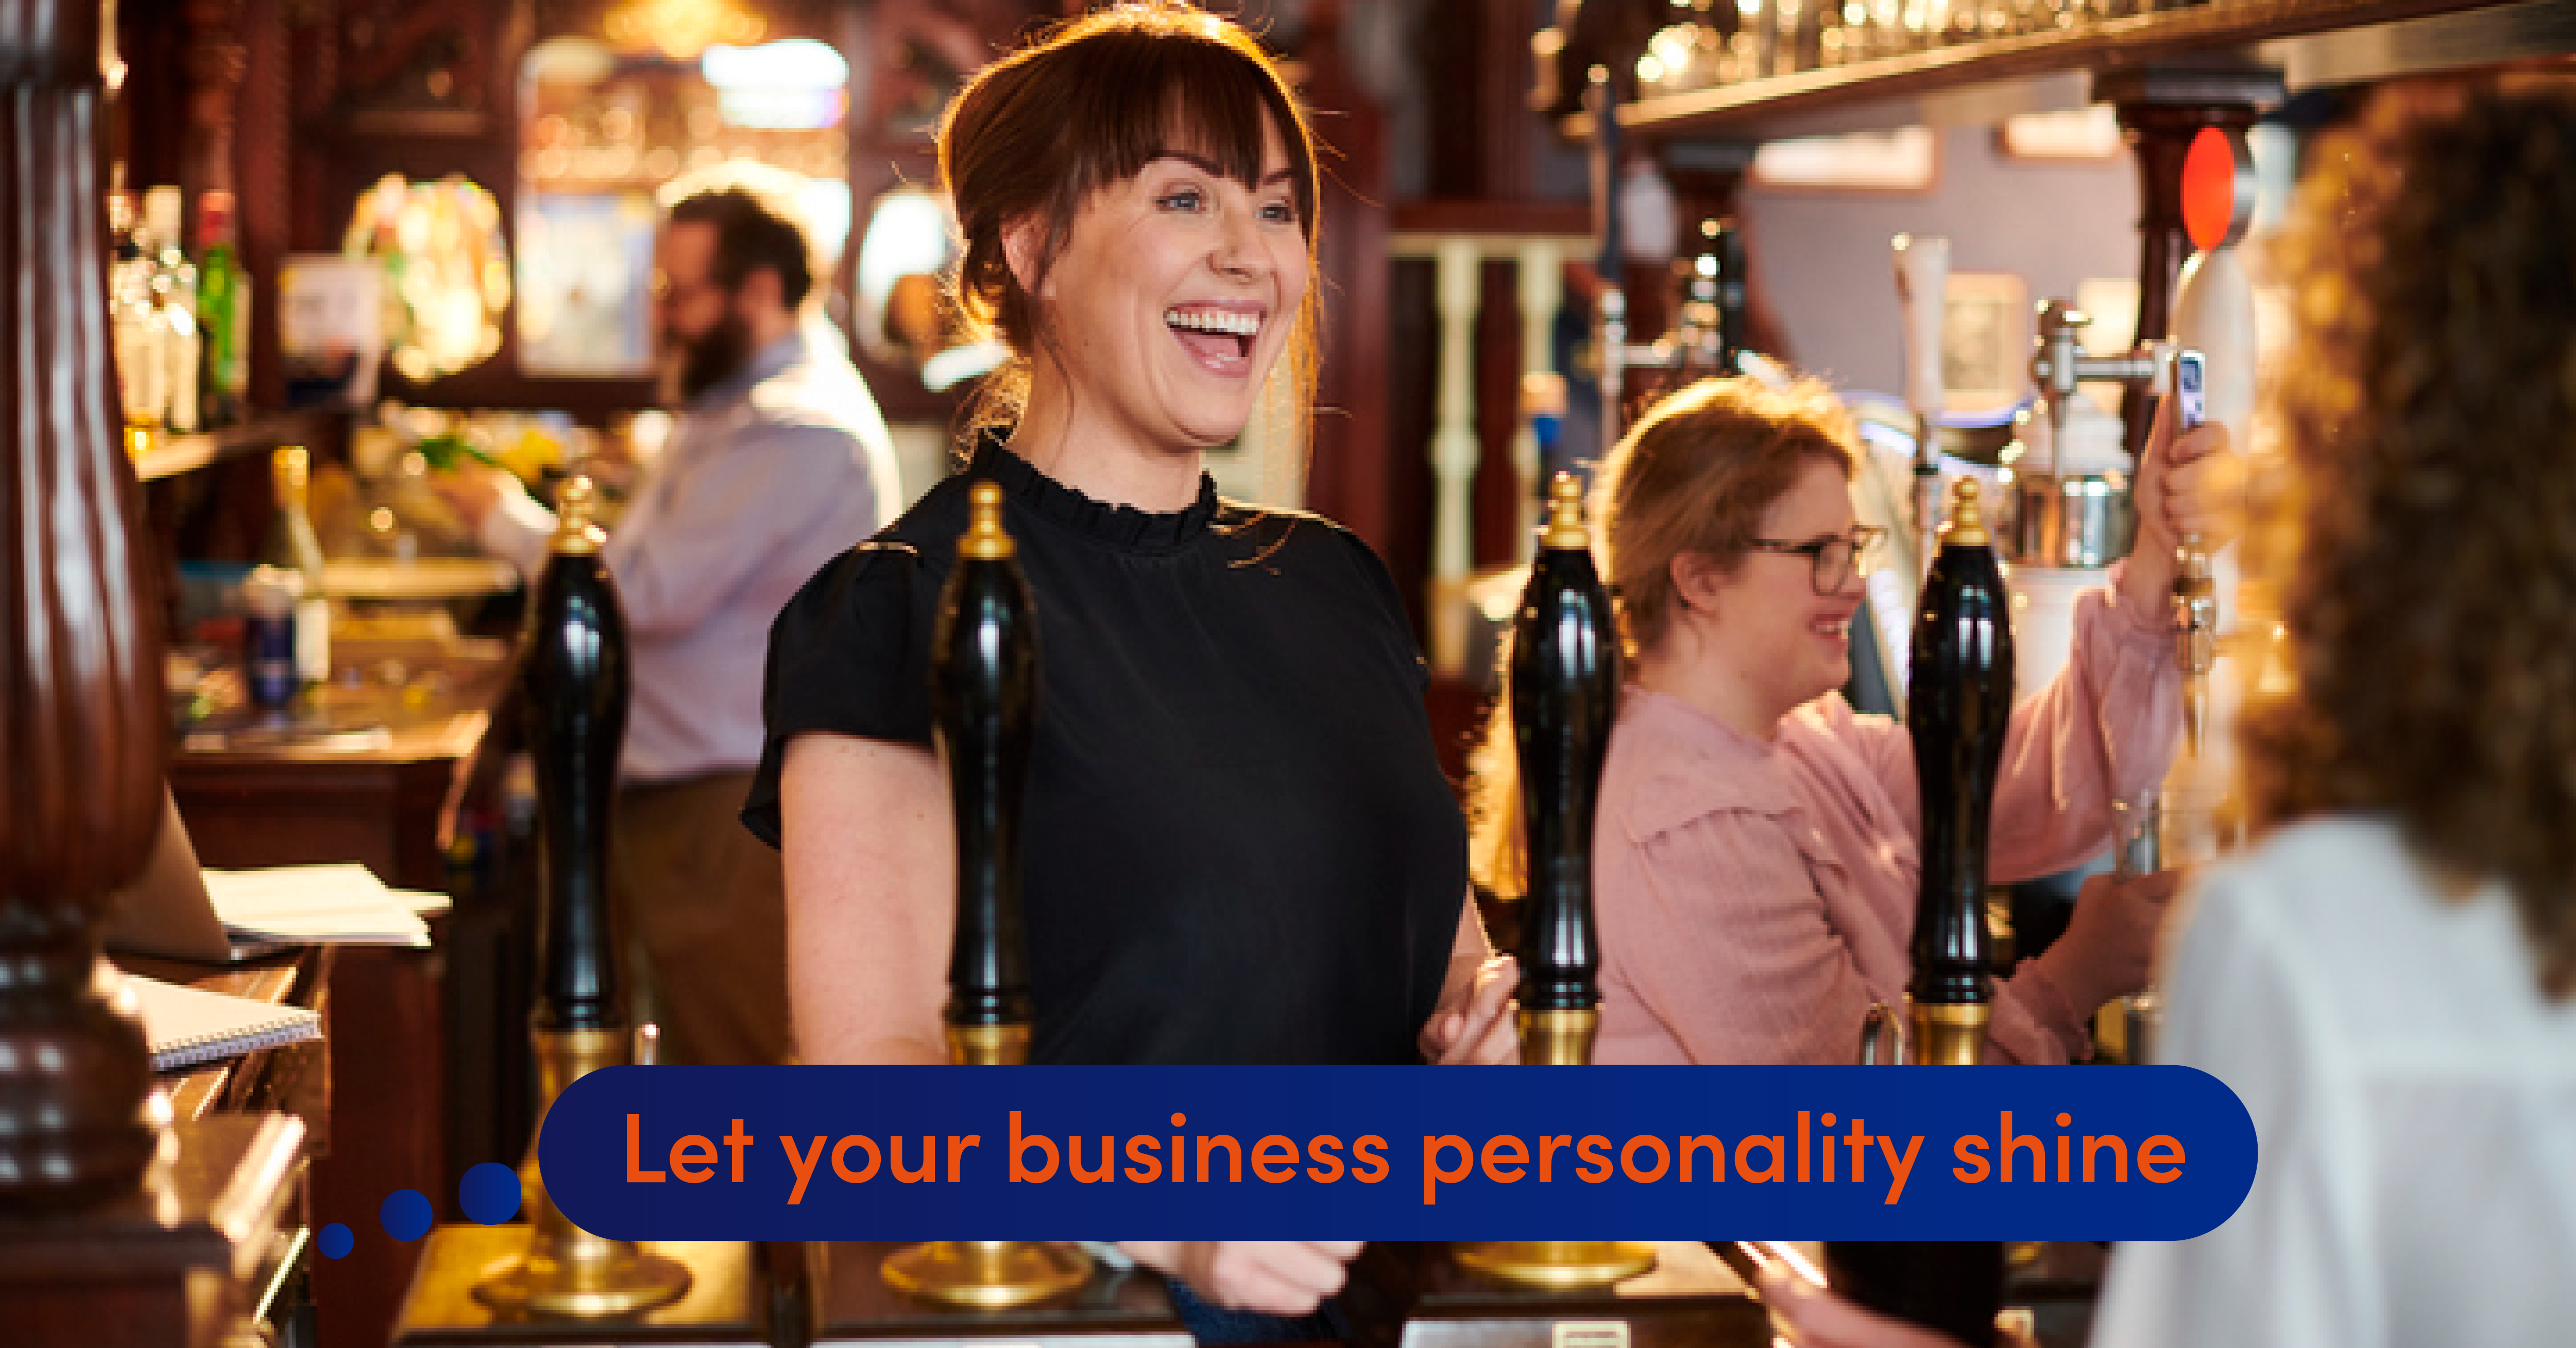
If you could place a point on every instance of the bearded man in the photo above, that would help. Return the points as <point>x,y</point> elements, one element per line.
<point>780,460</point>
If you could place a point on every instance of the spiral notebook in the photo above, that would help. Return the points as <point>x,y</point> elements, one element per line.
<point>188,1026</point>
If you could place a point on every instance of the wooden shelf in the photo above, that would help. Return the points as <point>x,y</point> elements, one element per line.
<point>2041,70</point>
<point>172,455</point>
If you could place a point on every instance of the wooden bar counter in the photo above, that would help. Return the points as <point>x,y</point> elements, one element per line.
<point>387,800</point>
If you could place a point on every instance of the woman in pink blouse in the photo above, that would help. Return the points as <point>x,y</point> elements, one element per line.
<point>1756,851</point>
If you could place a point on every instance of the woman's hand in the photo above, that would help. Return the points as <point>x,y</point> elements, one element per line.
<point>2193,483</point>
<point>2109,946</point>
<point>1816,1318</point>
<point>1274,1277</point>
<point>1474,1021</point>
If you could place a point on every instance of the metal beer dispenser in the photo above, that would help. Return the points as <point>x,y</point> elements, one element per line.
<point>1565,673</point>
<point>983,693</point>
<point>1957,705</point>
<point>577,678</point>
<point>1565,695</point>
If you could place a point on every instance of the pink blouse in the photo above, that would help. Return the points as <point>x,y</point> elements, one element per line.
<point>1753,899</point>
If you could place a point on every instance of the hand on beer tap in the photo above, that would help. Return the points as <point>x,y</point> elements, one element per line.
<point>2109,947</point>
<point>1273,1277</point>
<point>1474,1021</point>
<point>1818,1318</point>
<point>2189,484</point>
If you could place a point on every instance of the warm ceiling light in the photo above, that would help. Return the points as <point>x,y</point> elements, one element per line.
<point>680,29</point>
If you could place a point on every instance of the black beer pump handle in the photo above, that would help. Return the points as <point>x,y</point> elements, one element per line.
<point>984,703</point>
<point>1565,692</point>
<point>574,664</point>
<point>1958,701</point>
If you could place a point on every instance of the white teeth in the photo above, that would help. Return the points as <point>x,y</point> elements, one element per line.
<point>1214,320</point>
<point>1840,629</point>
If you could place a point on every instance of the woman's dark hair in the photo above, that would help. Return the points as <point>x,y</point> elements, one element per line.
<point>2423,521</point>
<point>1088,105</point>
<point>752,235</point>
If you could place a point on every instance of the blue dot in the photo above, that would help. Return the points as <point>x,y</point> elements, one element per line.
<point>489,1193</point>
<point>334,1242</point>
<point>406,1214</point>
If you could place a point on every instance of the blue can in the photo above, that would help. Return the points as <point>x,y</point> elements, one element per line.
<point>268,645</point>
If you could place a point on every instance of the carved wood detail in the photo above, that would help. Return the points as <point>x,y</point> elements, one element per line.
<point>83,737</point>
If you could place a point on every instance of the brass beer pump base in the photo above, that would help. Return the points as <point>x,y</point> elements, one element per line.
<point>1558,1038</point>
<point>988,1045</point>
<point>568,1272</point>
<point>1950,1035</point>
<point>985,1274</point>
<point>582,1284</point>
<point>1558,1263</point>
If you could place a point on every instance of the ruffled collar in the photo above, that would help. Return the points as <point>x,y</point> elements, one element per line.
<point>1118,526</point>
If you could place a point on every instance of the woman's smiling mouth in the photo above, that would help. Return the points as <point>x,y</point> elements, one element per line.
<point>1220,338</point>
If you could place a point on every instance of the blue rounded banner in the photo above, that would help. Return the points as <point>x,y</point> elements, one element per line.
<point>1398,1153</point>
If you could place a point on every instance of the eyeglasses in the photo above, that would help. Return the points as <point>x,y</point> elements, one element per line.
<point>1835,558</point>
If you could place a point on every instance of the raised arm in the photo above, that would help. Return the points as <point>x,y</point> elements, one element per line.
<point>871,880</point>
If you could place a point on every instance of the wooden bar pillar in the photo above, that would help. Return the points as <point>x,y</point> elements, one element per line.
<point>84,736</point>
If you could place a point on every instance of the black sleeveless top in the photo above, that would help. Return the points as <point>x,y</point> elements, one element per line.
<point>1238,845</point>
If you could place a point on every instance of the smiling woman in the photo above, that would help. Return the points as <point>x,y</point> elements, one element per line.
<point>1238,846</point>
<point>1119,196</point>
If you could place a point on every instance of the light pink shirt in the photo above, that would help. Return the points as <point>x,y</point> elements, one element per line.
<point>1753,899</point>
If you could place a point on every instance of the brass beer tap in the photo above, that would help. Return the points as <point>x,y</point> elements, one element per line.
<point>1564,691</point>
<point>577,671</point>
<point>984,688</point>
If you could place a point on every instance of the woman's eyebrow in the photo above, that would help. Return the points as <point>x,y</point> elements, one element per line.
<point>1210,167</point>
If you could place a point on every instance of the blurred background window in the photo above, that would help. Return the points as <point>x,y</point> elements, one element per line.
<point>675,96</point>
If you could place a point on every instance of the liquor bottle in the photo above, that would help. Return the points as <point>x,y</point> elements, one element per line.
<point>223,312</point>
<point>134,323</point>
<point>299,549</point>
<point>1957,704</point>
<point>174,290</point>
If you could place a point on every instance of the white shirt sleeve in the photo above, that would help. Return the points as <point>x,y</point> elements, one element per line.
<point>706,524</point>
<point>518,531</point>
<point>2291,1267</point>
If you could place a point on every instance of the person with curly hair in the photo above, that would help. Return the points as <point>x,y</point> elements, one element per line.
<point>1756,852</point>
<point>2388,978</point>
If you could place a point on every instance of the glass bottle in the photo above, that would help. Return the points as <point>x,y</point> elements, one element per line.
<point>174,290</point>
<point>223,312</point>
<point>134,323</point>
<point>299,549</point>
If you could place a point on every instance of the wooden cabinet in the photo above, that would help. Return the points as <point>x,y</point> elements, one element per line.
<point>182,1262</point>
<point>386,1008</point>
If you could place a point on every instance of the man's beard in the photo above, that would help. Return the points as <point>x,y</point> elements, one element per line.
<point>699,363</point>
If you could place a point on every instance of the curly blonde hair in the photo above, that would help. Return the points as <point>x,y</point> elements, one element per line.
<point>2424,532</point>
